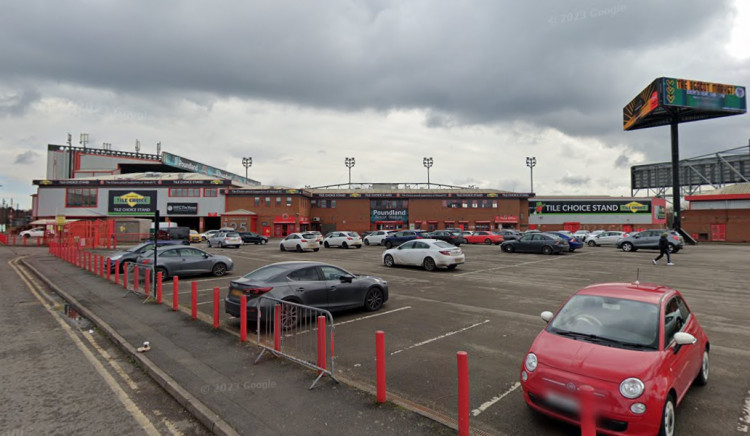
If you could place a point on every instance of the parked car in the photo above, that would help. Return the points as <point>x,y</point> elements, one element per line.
<point>484,237</point>
<point>343,240</point>
<point>536,242</point>
<point>605,238</point>
<point>253,238</point>
<point>427,253</point>
<point>581,235</point>
<point>451,237</point>
<point>592,234</point>
<point>637,345</point>
<point>398,238</point>
<point>36,232</point>
<point>649,239</point>
<point>180,260</point>
<point>376,237</point>
<point>509,234</point>
<point>314,284</point>
<point>300,242</point>
<point>318,236</point>
<point>225,239</point>
<point>573,243</point>
<point>195,236</point>
<point>131,254</point>
<point>175,234</point>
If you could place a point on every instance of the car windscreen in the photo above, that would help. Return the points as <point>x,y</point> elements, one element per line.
<point>610,321</point>
<point>267,272</point>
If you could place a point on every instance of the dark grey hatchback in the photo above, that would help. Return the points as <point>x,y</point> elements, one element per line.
<point>310,283</point>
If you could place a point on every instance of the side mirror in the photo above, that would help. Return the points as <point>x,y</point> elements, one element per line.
<point>346,279</point>
<point>682,338</point>
<point>547,316</point>
<point>206,255</point>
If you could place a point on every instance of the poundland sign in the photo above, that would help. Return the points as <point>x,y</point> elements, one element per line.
<point>389,215</point>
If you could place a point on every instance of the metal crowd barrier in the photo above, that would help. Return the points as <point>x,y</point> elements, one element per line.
<point>296,332</point>
<point>140,280</point>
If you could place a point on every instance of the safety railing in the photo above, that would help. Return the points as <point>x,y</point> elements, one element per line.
<point>296,332</point>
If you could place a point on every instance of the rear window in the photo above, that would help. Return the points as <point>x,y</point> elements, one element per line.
<point>443,244</point>
<point>232,234</point>
<point>308,235</point>
<point>265,273</point>
<point>353,234</point>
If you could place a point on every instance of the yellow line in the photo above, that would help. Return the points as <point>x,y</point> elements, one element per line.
<point>130,406</point>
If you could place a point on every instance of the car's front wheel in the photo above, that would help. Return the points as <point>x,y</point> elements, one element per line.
<point>668,418</point>
<point>282,248</point>
<point>374,299</point>
<point>219,270</point>
<point>591,244</point>
<point>326,244</point>
<point>509,248</point>
<point>263,242</point>
<point>388,260</point>
<point>627,246</point>
<point>367,242</point>
<point>702,378</point>
<point>163,271</point>
<point>673,248</point>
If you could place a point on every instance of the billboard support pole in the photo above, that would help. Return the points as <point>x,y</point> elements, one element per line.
<point>677,223</point>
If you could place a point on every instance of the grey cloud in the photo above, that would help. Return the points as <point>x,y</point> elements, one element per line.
<point>622,161</point>
<point>26,158</point>
<point>575,180</point>
<point>16,101</point>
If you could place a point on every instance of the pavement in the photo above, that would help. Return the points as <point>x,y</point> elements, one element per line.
<point>213,375</point>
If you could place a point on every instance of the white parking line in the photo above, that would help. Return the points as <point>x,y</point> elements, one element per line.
<point>373,316</point>
<point>440,337</point>
<point>546,259</point>
<point>744,422</point>
<point>486,405</point>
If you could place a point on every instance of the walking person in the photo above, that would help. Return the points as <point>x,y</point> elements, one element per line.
<point>663,249</point>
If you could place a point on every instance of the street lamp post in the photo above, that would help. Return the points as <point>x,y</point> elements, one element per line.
<point>349,162</point>
<point>531,163</point>
<point>247,162</point>
<point>427,162</point>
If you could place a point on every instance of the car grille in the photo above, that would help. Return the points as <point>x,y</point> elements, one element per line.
<point>601,422</point>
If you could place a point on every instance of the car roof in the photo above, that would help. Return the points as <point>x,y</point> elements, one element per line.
<point>645,292</point>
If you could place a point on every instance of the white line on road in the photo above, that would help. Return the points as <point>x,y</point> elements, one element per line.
<point>546,259</point>
<point>486,405</point>
<point>440,337</point>
<point>744,422</point>
<point>373,316</point>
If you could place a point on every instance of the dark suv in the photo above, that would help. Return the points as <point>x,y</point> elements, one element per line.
<point>649,239</point>
<point>398,238</point>
<point>253,238</point>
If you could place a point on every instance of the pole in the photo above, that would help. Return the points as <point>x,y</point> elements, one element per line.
<point>380,364</point>
<point>463,393</point>
<point>677,224</point>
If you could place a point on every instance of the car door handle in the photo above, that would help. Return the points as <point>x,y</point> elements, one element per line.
<point>300,289</point>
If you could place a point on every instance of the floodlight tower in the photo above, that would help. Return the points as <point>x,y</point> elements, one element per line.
<point>349,162</point>
<point>427,162</point>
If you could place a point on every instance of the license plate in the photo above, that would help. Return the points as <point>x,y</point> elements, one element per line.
<point>236,293</point>
<point>562,401</point>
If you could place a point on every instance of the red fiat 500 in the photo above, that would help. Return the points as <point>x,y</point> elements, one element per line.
<point>637,345</point>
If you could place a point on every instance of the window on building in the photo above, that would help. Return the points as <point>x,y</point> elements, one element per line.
<point>333,204</point>
<point>289,202</point>
<point>268,201</point>
<point>322,203</point>
<point>278,201</point>
<point>77,197</point>
<point>211,192</point>
<point>257,201</point>
<point>494,204</point>
<point>185,192</point>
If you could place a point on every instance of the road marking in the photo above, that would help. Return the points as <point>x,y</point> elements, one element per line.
<point>486,405</point>
<point>373,316</point>
<point>546,259</point>
<point>116,366</point>
<point>744,422</point>
<point>130,406</point>
<point>441,337</point>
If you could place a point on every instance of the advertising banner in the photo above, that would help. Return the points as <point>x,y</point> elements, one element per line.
<point>389,215</point>
<point>182,208</point>
<point>695,94</point>
<point>186,164</point>
<point>590,207</point>
<point>131,202</point>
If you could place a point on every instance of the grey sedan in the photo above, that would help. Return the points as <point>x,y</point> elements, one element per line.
<point>310,283</point>
<point>180,260</point>
<point>536,243</point>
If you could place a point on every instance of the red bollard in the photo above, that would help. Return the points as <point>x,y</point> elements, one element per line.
<point>277,327</point>
<point>158,287</point>
<point>463,393</point>
<point>147,282</point>
<point>322,342</point>
<point>243,318</point>
<point>194,301</point>
<point>216,307</point>
<point>135,278</point>
<point>588,417</point>
<point>117,272</point>
<point>380,364</point>
<point>101,266</point>
<point>109,269</point>
<point>125,277</point>
<point>175,293</point>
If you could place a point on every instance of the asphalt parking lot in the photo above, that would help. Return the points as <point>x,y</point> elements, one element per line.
<point>490,306</point>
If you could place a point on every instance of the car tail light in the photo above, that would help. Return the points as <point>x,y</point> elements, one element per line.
<point>256,291</point>
<point>303,240</point>
<point>572,239</point>
<point>445,252</point>
<point>418,237</point>
<point>349,239</point>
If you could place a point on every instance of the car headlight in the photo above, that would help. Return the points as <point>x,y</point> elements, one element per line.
<point>631,388</point>
<point>531,362</point>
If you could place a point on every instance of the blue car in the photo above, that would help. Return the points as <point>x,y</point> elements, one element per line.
<point>398,238</point>
<point>573,242</point>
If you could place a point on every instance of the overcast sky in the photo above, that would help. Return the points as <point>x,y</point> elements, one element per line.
<point>300,85</point>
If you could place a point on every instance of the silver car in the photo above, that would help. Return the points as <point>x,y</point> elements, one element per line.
<point>182,260</point>
<point>605,238</point>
